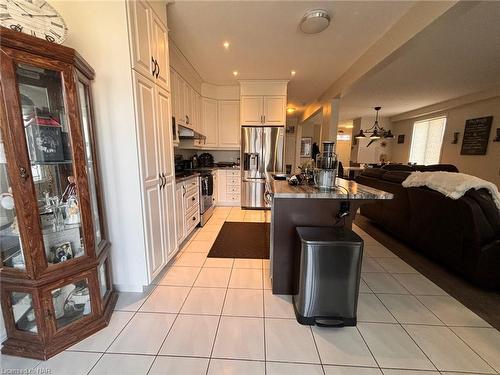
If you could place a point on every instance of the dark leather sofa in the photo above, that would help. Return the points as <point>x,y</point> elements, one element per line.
<point>462,234</point>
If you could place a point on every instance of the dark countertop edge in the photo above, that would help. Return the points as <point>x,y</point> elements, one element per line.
<point>185,178</point>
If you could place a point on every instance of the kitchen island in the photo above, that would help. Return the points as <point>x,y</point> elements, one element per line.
<point>309,206</point>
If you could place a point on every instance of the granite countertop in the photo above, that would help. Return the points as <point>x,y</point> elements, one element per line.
<point>281,189</point>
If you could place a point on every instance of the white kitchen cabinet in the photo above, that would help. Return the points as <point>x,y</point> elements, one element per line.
<point>187,202</point>
<point>274,110</point>
<point>263,110</point>
<point>252,110</point>
<point>159,47</point>
<point>209,121</point>
<point>149,43</point>
<point>156,165</point>
<point>228,129</point>
<point>228,187</point>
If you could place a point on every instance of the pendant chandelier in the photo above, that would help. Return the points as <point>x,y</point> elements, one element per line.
<point>376,130</point>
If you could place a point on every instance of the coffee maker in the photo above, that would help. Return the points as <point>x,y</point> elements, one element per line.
<point>326,167</point>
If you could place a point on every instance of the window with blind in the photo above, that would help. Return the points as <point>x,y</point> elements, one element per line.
<point>427,140</point>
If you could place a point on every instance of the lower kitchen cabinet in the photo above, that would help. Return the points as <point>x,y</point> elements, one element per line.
<point>187,203</point>
<point>228,187</point>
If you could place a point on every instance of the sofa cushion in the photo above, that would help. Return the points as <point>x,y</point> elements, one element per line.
<point>373,172</point>
<point>398,167</point>
<point>436,168</point>
<point>396,176</point>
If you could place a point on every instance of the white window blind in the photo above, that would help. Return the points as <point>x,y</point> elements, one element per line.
<point>427,140</point>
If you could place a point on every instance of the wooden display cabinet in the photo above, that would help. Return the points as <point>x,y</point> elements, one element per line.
<point>55,276</point>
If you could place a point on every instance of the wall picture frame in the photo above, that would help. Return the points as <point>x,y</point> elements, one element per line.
<point>306,147</point>
<point>401,138</point>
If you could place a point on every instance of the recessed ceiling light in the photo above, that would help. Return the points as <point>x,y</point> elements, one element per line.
<point>235,73</point>
<point>293,72</point>
<point>315,21</point>
<point>349,126</point>
<point>226,45</point>
<point>290,110</point>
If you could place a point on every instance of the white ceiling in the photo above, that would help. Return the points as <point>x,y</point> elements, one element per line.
<point>458,54</point>
<point>267,44</point>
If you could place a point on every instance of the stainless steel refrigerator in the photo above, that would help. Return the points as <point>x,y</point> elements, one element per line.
<point>262,151</point>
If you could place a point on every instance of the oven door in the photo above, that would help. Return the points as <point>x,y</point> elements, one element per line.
<point>206,192</point>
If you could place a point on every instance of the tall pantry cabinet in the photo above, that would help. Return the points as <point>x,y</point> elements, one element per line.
<point>151,81</point>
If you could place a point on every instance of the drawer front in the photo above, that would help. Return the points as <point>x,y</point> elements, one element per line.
<point>192,219</point>
<point>235,189</point>
<point>233,197</point>
<point>191,201</point>
<point>191,186</point>
<point>231,173</point>
<point>233,181</point>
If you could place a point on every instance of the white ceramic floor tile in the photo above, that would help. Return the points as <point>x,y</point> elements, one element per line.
<point>179,366</point>
<point>408,309</point>
<point>231,367</point>
<point>219,263</point>
<point>180,276</point>
<point>244,302</point>
<point>102,339</point>
<point>409,372</point>
<point>191,260</point>
<point>342,346</point>
<point>396,265</point>
<point>276,368</point>
<point>213,277</point>
<point>144,334</point>
<point>130,301</point>
<point>166,299</point>
<point>370,309</point>
<point>246,278</point>
<point>204,301</point>
<point>344,370</point>
<point>191,335</point>
<point>446,350</point>
<point>484,341</point>
<point>240,338</point>
<point>419,285</point>
<point>278,306</point>
<point>392,347</point>
<point>74,363</point>
<point>19,364</point>
<point>371,265</point>
<point>383,283</point>
<point>248,263</point>
<point>377,251</point>
<point>452,312</point>
<point>205,236</point>
<point>267,279</point>
<point>288,341</point>
<point>123,364</point>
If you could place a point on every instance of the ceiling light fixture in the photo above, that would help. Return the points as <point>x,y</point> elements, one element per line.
<point>376,130</point>
<point>226,45</point>
<point>293,72</point>
<point>290,110</point>
<point>235,73</point>
<point>314,21</point>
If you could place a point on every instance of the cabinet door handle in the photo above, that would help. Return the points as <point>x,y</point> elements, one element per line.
<point>154,65</point>
<point>194,218</point>
<point>193,199</point>
<point>161,181</point>
<point>158,71</point>
<point>264,116</point>
<point>184,188</point>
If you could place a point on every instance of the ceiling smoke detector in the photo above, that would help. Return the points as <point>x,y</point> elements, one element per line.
<point>315,21</point>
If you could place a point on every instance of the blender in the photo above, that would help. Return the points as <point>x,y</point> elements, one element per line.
<point>326,167</point>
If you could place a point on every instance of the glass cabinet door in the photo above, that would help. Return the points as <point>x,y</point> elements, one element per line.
<point>84,99</point>
<point>48,140</point>
<point>71,303</point>
<point>11,252</point>
<point>24,312</point>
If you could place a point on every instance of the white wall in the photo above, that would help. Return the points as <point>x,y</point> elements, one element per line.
<point>486,166</point>
<point>99,31</point>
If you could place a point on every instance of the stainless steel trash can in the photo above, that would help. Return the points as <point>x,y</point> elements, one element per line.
<point>327,270</point>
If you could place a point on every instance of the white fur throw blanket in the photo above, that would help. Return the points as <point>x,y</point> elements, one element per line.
<point>453,185</point>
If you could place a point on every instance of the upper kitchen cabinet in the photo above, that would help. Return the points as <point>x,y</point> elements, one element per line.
<point>263,103</point>
<point>228,132</point>
<point>209,121</point>
<point>149,43</point>
<point>186,103</point>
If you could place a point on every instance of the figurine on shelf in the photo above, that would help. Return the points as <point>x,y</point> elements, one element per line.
<point>70,190</point>
<point>72,211</point>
